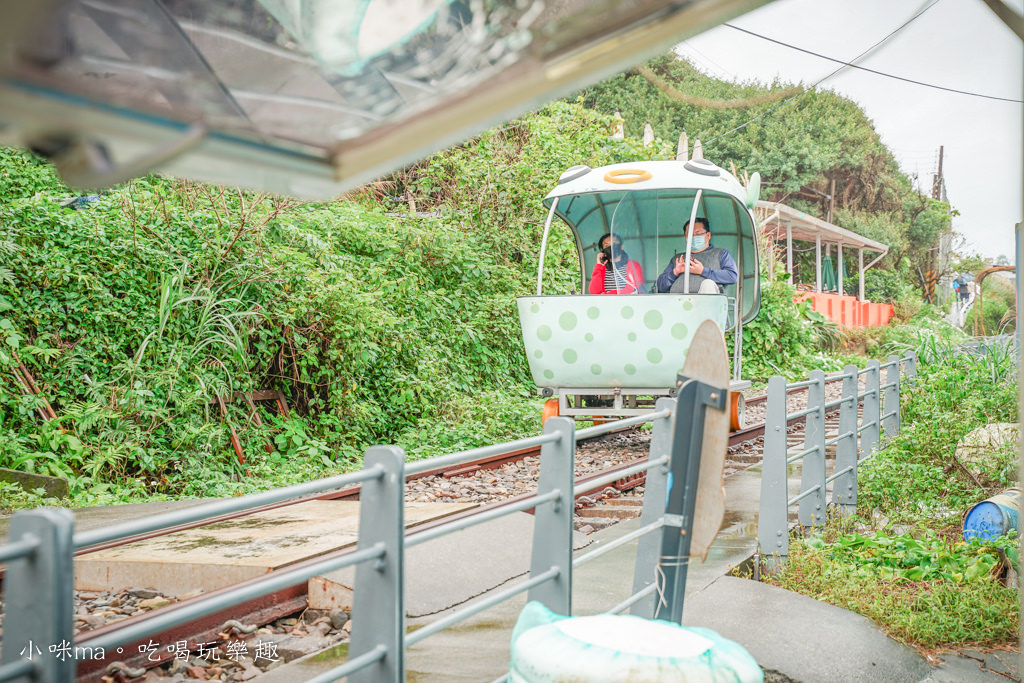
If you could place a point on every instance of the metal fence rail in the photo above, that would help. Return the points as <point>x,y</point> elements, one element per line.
<point>866,418</point>
<point>38,586</point>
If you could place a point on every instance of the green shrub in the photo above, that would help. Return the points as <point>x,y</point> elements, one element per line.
<point>956,391</point>
<point>925,591</point>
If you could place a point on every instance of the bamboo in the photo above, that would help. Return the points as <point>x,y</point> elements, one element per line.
<point>235,441</point>
<point>28,392</point>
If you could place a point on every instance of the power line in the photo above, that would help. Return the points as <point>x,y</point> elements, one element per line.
<point>710,61</point>
<point>845,64</point>
<point>873,71</point>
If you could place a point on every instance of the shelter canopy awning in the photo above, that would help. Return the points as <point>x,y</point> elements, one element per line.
<point>781,222</point>
<point>785,221</point>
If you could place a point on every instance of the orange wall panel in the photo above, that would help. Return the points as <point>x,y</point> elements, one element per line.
<point>846,310</point>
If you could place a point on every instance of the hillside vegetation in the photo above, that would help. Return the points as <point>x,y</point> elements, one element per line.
<point>136,313</point>
<point>800,145</point>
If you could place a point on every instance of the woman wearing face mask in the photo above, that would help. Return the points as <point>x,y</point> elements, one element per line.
<point>711,268</point>
<point>614,273</point>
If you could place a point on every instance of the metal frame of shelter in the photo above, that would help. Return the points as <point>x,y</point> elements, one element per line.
<point>786,223</point>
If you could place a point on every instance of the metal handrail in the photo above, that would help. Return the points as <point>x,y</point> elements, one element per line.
<point>839,402</point>
<point>866,425</point>
<point>840,437</point>
<point>813,489</point>
<point>12,671</point>
<point>19,549</point>
<point>836,378</point>
<point>620,541</point>
<point>800,413</point>
<point>618,474</point>
<point>801,455</point>
<point>850,454</point>
<point>840,473</point>
<point>633,599</point>
<point>492,514</point>
<point>267,584</point>
<point>200,512</point>
<point>420,466</point>
<point>382,540</point>
<point>477,607</point>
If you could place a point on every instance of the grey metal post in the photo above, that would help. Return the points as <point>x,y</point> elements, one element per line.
<point>891,406</point>
<point>38,596</point>
<point>773,516</point>
<point>872,411</point>
<point>655,493</point>
<point>687,444</point>
<point>378,607</point>
<point>910,369</point>
<point>844,488</point>
<point>552,523</point>
<point>812,472</point>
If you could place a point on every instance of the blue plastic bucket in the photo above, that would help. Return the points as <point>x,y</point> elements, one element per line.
<point>993,517</point>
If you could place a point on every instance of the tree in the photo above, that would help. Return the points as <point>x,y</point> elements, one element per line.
<point>815,150</point>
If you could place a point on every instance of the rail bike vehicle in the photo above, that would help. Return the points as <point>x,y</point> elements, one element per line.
<point>605,356</point>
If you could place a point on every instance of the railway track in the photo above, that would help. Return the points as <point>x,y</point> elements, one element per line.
<point>744,451</point>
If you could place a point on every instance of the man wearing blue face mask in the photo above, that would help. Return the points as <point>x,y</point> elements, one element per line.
<point>711,268</point>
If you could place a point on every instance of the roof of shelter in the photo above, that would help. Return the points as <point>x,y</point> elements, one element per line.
<point>807,228</point>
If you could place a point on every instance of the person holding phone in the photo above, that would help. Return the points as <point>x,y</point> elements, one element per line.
<point>614,272</point>
<point>711,268</point>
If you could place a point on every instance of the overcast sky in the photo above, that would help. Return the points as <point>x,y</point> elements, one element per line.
<point>958,44</point>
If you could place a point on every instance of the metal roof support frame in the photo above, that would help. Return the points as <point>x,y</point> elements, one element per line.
<point>789,251</point>
<point>839,272</point>
<point>860,275</point>
<point>817,264</point>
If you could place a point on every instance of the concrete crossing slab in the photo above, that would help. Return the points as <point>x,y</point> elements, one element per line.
<point>226,552</point>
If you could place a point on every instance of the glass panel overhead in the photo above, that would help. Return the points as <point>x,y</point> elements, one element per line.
<point>304,97</point>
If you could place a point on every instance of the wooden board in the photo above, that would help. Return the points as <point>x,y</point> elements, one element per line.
<point>708,362</point>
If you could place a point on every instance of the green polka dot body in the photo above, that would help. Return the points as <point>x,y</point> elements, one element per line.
<point>613,341</point>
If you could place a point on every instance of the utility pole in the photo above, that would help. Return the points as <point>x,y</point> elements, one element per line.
<point>831,200</point>
<point>937,182</point>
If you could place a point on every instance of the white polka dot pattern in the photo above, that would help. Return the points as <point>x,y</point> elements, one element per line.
<point>613,341</point>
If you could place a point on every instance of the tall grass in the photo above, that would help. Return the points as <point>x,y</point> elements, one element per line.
<point>930,592</point>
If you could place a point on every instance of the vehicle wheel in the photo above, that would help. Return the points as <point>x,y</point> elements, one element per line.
<point>550,410</point>
<point>737,411</point>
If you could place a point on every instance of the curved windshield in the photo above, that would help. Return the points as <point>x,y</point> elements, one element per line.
<point>640,233</point>
<point>619,253</point>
